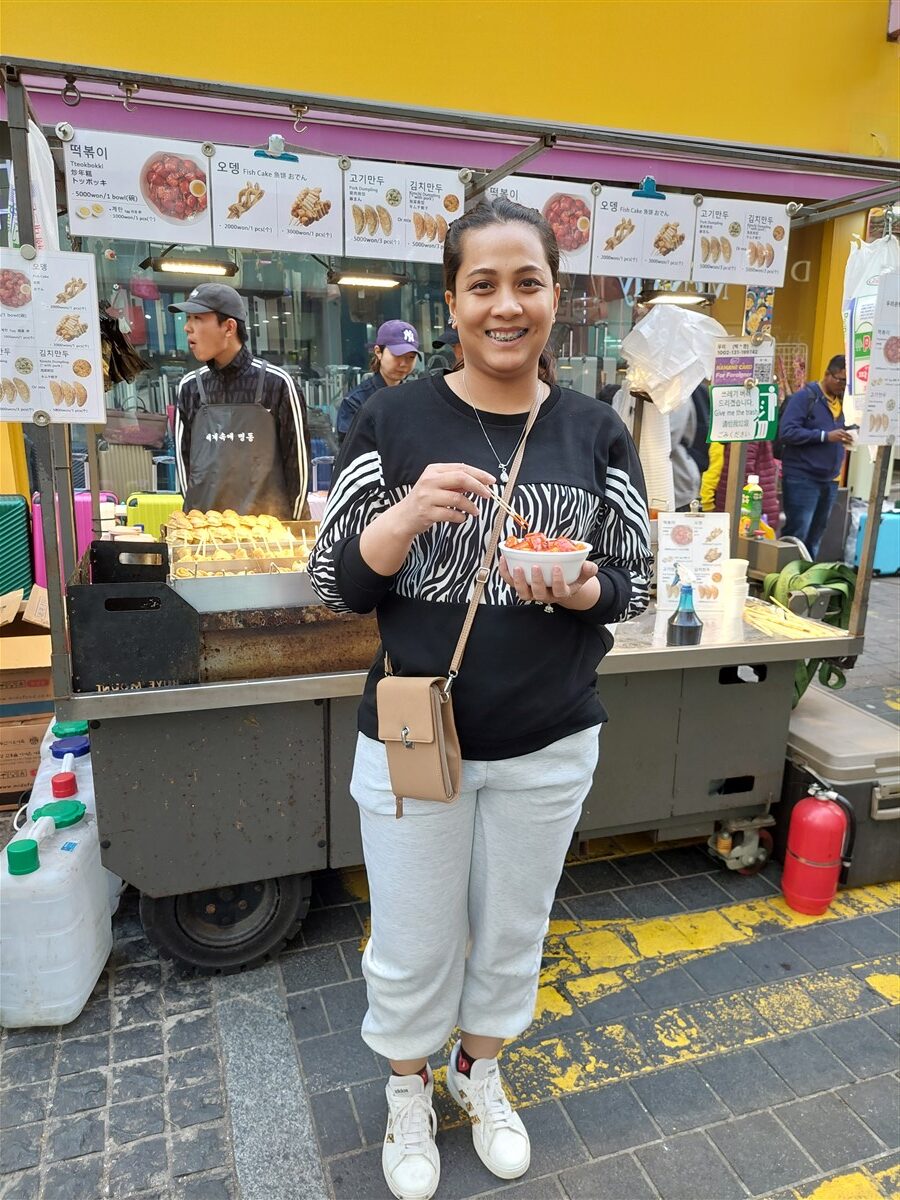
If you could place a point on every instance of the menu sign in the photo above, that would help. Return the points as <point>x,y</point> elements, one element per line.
<point>638,236</point>
<point>399,212</point>
<point>263,203</point>
<point>880,421</point>
<point>742,414</point>
<point>569,207</point>
<point>692,544</point>
<point>148,189</point>
<point>50,338</point>
<point>740,241</point>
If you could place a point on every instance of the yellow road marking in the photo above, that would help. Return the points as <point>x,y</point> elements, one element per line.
<point>857,1185</point>
<point>886,985</point>
<point>862,1183</point>
<point>600,948</point>
<point>582,1059</point>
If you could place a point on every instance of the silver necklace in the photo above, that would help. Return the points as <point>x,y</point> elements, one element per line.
<point>502,467</point>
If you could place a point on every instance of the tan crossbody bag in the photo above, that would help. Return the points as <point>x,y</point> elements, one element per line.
<point>415,713</point>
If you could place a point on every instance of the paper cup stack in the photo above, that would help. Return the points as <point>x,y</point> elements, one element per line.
<point>733,590</point>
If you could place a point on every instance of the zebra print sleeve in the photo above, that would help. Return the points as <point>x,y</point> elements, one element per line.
<point>621,538</point>
<point>337,572</point>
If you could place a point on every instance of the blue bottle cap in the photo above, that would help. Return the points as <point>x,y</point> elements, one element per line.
<point>79,746</point>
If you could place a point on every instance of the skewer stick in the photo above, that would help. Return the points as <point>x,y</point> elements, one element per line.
<point>512,512</point>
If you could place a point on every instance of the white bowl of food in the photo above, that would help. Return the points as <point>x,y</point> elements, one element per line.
<point>562,552</point>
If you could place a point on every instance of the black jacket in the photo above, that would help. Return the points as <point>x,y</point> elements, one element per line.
<point>353,402</point>
<point>236,384</point>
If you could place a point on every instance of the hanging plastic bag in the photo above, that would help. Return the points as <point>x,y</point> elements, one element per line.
<point>669,353</point>
<point>866,263</point>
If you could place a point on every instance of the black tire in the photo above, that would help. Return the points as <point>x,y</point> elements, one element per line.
<point>224,930</point>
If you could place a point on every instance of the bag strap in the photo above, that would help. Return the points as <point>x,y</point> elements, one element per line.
<point>481,575</point>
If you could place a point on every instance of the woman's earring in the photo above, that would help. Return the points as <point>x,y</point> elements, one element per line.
<point>453,322</point>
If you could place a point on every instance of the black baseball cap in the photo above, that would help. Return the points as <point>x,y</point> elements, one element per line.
<point>213,297</point>
<point>448,338</point>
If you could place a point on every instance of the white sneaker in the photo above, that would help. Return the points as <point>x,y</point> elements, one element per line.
<point>410,1159</point>
<point>500,1139</point>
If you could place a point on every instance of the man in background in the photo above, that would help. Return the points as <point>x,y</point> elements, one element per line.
<point>814,440</point>
<point>450,339</point>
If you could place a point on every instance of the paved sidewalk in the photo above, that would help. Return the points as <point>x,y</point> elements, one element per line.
<point>694,1040</point>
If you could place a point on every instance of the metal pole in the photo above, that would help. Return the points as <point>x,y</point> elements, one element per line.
<point>60,440</point>
<point>60,665</point>
<point>737,462</point>
<point>61,669</point>
<point>93,464</point>
<point>637,421</point>
<point>860,606</point>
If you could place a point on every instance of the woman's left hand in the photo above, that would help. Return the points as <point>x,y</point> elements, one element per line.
<point>559,593</point>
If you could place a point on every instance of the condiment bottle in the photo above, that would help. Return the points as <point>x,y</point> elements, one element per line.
<point>684,627</point>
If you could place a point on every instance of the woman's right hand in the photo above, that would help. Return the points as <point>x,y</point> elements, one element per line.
<point>442,493</point>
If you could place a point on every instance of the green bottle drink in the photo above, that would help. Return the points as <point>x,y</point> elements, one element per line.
<point>751,507</point>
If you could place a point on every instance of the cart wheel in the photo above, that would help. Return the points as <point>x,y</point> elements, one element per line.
<point>228,929</point>
<point>765,853</point>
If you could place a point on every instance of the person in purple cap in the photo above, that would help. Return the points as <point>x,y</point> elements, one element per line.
<point>393,357</point>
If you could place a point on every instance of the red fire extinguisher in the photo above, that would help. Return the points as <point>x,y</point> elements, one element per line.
<point>819,849</point>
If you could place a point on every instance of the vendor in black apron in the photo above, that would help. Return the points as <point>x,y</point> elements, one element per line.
<point>240,431</point>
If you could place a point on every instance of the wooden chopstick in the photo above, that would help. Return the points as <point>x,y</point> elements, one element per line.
<point>512,512</point>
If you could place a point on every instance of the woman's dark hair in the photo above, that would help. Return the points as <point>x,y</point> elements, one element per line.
<point>375,361</point>
<point>501,211</point>
<point>241,326</point>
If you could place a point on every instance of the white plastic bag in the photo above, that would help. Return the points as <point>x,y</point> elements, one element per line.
<point>669,353</point>
<point>866,263</point>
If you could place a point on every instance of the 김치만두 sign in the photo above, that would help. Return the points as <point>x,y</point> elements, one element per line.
<point>263,203</point>
<point>50,345</point>
<point>399,212</point>
<point>148,189</point>
<point>569,207</point>
<point>638,236</point>
<point>880,420</point>
<point>740,241</point>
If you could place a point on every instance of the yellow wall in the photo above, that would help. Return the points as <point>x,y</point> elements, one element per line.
<point>805,73</point>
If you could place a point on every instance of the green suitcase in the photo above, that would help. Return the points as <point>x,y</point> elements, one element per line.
<point>16,569</point>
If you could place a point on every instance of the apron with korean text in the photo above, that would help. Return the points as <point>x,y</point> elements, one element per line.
<point>235,460</point>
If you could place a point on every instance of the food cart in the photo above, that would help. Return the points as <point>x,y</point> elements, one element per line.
<point>223,729</point>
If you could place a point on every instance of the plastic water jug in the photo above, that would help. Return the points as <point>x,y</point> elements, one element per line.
<point>55,927</point>
<point>67,774</point>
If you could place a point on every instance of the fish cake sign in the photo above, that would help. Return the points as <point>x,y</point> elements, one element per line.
<point>276,203</point>
<point>50,357</point>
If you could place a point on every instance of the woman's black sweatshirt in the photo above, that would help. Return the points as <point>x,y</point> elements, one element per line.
<point>528,676</point>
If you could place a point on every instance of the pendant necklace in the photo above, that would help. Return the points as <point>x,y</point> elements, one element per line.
<point>502,467</point>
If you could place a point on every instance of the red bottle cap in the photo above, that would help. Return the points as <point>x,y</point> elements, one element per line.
<point>64,785</point>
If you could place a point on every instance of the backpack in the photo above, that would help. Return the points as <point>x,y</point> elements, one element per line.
<point>778,443</point>
<point>797,577</point>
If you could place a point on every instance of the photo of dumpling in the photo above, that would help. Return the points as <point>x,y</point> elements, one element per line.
<point>384,218</point>
<point>359,218</point>
<point>371,220</point>
<point>418,221</point>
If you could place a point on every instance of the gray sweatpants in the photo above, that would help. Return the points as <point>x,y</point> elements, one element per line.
<point>479,875</point>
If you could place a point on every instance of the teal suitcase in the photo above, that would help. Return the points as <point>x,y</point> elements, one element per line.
<point>16,569</point>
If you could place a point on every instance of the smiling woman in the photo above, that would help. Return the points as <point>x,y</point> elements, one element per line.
<point>406,528</point>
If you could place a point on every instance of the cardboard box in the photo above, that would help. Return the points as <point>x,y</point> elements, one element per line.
<point>20,748</point>
<point>26,686</point>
